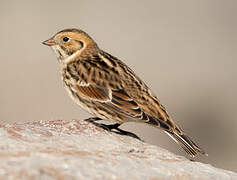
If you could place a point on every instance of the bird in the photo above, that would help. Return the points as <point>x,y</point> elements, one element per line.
<point>107,88</point>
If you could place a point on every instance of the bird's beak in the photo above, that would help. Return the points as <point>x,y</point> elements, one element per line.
<point>49,42</point>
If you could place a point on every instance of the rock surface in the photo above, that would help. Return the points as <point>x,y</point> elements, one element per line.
<point>76,149</point>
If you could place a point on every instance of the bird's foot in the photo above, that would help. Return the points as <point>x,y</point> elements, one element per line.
<point>93,119</point>
<point>127,133</point>
<point>112,127</point>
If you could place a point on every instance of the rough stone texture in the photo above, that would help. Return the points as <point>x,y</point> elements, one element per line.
<point>79,150</point>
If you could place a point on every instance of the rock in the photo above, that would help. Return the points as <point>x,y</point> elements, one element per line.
<point>77,149</point>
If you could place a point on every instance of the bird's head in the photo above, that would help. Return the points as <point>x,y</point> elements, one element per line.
<point>70,41</point>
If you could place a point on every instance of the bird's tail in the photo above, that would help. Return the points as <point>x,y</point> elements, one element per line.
<point>177,134</point>
<point>186,143</point>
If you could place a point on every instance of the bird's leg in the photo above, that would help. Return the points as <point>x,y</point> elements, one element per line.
<point>110,127</point>
<point>93,119</point>
<point>127,133</point>
<point>115,126</point>
<point>107,127</point>
<point>104,126</point>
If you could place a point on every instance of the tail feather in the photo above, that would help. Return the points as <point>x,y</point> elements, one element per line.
<point>186,143</point>
<point>175,133</point>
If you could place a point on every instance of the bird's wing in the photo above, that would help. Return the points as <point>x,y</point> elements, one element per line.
<point>94,93</point>
<point>94,81</point>
<point>121,101</point>
<point>118,99</point>
<point>100,81</point>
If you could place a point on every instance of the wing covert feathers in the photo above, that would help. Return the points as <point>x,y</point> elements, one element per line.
<point>95,93</point>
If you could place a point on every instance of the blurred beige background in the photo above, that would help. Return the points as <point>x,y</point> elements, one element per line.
<point>184,50</point>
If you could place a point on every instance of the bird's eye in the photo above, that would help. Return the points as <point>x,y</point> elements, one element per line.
<point>65,39</point>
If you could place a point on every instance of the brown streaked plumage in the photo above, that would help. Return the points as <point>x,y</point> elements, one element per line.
<point>107,88</point>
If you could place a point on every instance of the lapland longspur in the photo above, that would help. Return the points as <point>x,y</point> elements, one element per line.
<point>107,88</point>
